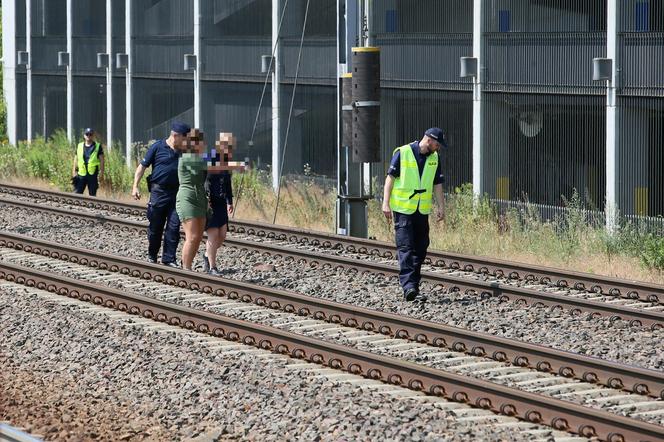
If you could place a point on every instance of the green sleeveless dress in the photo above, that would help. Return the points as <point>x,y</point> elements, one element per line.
<point>191,200</point>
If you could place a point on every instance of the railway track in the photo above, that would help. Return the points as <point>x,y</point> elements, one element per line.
<point>535,408</point>
<point>425,337</point>
<point>647,314</point>
<point>601,285</point>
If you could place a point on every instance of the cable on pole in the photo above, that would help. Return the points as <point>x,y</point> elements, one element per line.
<point>260,103</point>
<point>290,112</point>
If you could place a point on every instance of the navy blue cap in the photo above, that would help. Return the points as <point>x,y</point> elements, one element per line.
<point>437,134</point>
<point>180,128</point>
<point>88,131</point>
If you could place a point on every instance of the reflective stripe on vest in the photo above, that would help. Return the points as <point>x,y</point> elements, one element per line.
<point>411,190</point>
<point>93,161</point>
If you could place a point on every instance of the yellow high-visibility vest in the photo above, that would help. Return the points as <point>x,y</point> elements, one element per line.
<point>410,189</point>
<point>93,161</point>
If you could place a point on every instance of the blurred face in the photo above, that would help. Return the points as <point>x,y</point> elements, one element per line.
<point>225,146</point>
<point>222,153</point>
<point>194,142</point>
<point>89,136</point>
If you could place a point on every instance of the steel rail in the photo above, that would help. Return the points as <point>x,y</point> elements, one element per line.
<point>600,284</point>
<point>636,317</point>
<point>560,415</point>
<point>545,359</point>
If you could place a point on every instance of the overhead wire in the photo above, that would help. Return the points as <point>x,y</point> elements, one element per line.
<point>290,113</point>
<point>260,103</point>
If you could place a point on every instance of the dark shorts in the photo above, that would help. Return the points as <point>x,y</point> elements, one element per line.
<point>219,216</point>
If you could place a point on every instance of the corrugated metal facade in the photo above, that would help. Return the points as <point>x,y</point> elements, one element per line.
<point>641,141</point>
<point>544,119</point>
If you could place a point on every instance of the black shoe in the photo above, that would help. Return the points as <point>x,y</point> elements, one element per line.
<point>171,264</point>
<point>421,297</point>
<point>410,294</point>
<point>214,272</point>
<point>206,262</point>
<point>152,259</point>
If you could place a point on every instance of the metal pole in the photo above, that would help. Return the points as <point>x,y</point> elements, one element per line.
<point>197,71</point>
<point>109,75</point>
<point>28,71</point>
<point>9,67</point>
<point>366,167</point>
<point>352,219</point>
<point>129,103</point>
<point>340,208</point>
<point>477,99</point>
<point>70,77</point>
<point>276,95</point>
<point>612,117</point>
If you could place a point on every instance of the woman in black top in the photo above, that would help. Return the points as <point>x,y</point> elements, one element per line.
<point>220,194</point>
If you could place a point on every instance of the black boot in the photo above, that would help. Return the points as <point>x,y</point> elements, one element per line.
<point>410,294</point>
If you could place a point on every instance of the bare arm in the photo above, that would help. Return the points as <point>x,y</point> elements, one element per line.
<point>440,200</point>
<point>140,170</point>
<point>73,167</point>
<point>387,192</point>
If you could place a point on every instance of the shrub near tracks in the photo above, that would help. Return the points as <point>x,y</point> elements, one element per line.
<point>51,159</point>
<point>477,229</point>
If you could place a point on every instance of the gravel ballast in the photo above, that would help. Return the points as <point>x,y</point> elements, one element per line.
<point>597,337</point>
<point>594,396</point>
<point>72,373</point>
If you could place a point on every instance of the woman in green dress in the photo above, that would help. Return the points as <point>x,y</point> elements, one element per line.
<point>191,202</point>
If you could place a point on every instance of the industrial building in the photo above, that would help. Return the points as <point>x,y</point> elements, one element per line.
<point>533,121</point>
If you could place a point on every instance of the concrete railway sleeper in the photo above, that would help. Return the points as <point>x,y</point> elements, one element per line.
<point>436,416</point>
<point>648,315</point>
<point>524,378</point>
<point>547,276</point>
<point>440,336</point>
<point>560,415</point>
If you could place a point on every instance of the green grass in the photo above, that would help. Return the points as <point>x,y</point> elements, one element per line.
<point>50,161</point>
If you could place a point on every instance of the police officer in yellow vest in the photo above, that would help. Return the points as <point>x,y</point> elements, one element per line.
<point>414,177</point>
<point>88,167</point>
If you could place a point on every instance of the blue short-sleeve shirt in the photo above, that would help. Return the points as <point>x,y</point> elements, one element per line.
<point>395,164</point>
<point>87,151</point>
<point>164,162</point>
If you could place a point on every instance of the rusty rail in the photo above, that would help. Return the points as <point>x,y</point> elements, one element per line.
<point>636,317</point>
<point>588,369</point>
<point>561,415</point>
<point>636,290</point>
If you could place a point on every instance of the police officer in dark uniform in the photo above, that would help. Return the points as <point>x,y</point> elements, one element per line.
<point>414,177</point>
<point>88,167</point>
<point>163,183</point>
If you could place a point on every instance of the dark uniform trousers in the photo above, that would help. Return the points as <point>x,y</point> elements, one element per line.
<point>89,181</point>
<point>412,240</point>
<point>163,221</point>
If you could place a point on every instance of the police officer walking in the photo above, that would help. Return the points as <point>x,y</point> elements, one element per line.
<point>88,167</point>
<point>414,176</point>
<point>163,185</point>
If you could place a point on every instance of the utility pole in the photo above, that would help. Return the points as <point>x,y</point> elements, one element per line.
<point>9,67</point>
<point>353,178</point>
<point>129,95</point>
<point>70,73</point>
<point>197,70</point>
<point>109,75</point>
<point>276,95</point>
<point>612,117</point>
<point>28,70</point>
